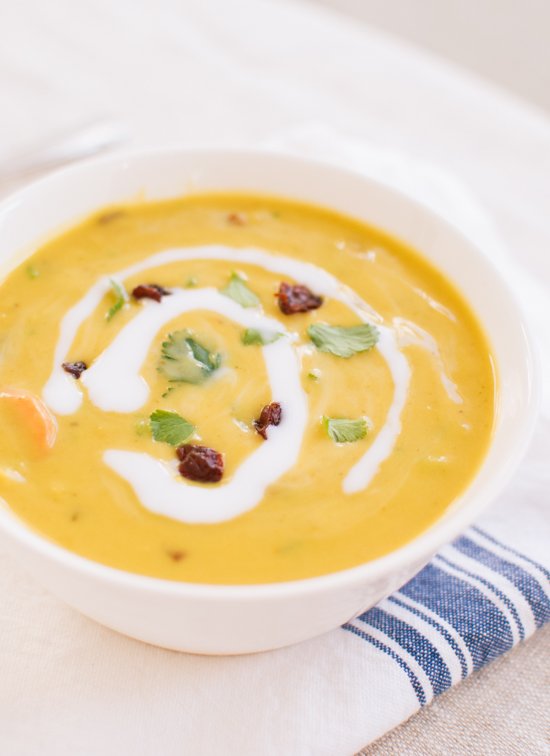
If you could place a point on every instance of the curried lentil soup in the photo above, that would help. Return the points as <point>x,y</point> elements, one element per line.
<point>236,389</point>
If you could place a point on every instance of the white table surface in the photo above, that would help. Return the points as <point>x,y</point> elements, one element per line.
<point>226,72</point>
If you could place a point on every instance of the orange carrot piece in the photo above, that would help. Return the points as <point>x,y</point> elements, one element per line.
<point>34,413</point>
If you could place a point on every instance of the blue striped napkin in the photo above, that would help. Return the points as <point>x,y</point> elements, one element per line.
<point>490,589</point>
<point>476,599</point>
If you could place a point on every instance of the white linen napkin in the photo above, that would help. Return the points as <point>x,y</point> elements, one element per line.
<point>94,691</point>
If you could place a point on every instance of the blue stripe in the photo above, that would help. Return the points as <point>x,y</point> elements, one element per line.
<point>502,596</point>
<point>417,645</point>
<point>417,687</point>
<point>482,626</point>
<point>439,627</point>
<point>512,551</point>
<point>524,582</point>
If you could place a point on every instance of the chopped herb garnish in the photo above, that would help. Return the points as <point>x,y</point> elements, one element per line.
<point>191,282</point>
<point>185,360</point>
<point>343,431</point>
<point>170,427</point>
<point>260,337</point>
<point>142,427</point>
<point>32,272</point>
<point>121,297</point>
<point>238,290</point>
<point>314,374</point>
<point>289,547</point>
<point>343,341</point>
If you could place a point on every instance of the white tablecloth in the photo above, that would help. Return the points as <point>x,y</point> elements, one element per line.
<point>227,72</point>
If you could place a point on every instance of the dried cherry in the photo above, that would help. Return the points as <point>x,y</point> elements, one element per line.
<point>295,298</point>
<point>271,414</point>
<point>150,291</point>
<point>200,463</point>
<point>75,368</point>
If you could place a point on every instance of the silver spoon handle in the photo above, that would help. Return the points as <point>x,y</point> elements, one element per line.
<point>60,149</point>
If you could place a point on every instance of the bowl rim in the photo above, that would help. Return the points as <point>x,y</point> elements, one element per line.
<point>415,551</point>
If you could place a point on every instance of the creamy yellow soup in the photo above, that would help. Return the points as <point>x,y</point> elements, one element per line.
<point>385,386</point>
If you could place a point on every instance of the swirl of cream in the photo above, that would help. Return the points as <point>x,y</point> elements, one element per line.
<point>113,383</point>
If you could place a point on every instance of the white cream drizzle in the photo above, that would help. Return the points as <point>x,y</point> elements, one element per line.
<point>114,384</point>
<point>11,474</point>
<point>409,333</point>
<point>367,466</point>
<point>162,490</point>
<point>435,305</point>
<point>62,392</point>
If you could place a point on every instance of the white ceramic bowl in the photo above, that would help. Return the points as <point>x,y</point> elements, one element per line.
<point>212,619</point>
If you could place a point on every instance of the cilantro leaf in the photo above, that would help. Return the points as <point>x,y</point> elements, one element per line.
<point>32,272</point>
<point>170,427</point>
<point>238,290</point>
<point>343,431</point>
<point>259,336</point>
<point>343,341</point>
<point>121,297</point>
<point>185,360</point>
